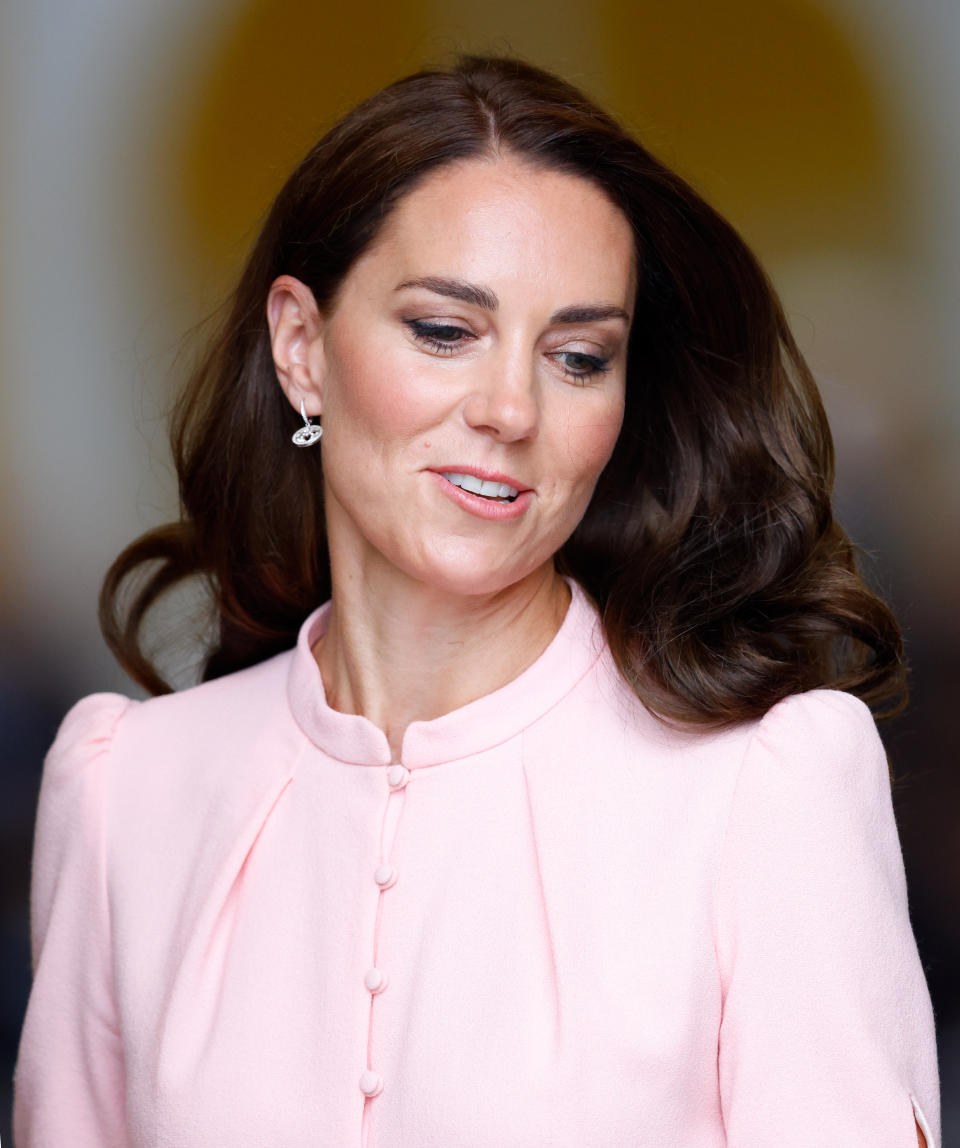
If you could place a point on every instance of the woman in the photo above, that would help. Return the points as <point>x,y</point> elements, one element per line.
<point>529,798</point>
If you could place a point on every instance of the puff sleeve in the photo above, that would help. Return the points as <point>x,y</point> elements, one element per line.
<point>827,1032</point>
<point>69,1078</point>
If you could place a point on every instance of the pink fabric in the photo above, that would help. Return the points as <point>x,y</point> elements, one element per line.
<point>594,931</point>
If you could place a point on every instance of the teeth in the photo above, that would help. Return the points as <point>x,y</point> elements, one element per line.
<point>480,486</point>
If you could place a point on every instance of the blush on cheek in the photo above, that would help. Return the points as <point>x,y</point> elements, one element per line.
<point>388,404</point>
<point>590,442</point>
<point>359,379</point>
<point>609,434</point>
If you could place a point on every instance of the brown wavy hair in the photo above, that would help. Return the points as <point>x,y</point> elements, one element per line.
<point>709,546</point>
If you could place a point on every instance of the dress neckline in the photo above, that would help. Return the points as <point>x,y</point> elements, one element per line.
<point>477,726</point>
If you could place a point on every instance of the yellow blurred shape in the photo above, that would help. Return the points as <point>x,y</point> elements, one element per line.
<point>281,76</point>
<point>765,106</point>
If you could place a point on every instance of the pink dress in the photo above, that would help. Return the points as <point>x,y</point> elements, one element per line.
<point>553,923</point>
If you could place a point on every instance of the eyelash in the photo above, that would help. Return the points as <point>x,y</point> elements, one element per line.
<point>429,333</point>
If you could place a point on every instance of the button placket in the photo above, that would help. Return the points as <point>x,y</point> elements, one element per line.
<point>375,979</point>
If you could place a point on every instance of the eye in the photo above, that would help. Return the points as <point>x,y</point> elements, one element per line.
<point>441,337</point>
<point>581,366</point>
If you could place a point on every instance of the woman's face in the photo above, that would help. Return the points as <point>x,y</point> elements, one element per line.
<point>482,338</point>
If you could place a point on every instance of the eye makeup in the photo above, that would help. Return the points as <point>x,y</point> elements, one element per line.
<point>442,337</point>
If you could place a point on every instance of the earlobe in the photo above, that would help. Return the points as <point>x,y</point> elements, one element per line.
<point>295,338</point>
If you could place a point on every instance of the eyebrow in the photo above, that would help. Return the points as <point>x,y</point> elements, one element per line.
<point>456,289</point>
<point>484,298</point>
<point>589,313</point>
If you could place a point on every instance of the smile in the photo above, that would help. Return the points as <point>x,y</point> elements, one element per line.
<point>495,491</point>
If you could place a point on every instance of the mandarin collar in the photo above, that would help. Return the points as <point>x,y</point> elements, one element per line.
<point>479,725</point>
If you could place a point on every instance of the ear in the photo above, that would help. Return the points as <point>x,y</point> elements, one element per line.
<point>296,330</point>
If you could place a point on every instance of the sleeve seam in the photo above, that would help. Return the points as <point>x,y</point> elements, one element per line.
<point>102,856</point>
<point>758,738</point>
<point>755,738</point>
<point>722,850</point>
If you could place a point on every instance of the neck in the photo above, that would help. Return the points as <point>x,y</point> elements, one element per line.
<point>397,650</point>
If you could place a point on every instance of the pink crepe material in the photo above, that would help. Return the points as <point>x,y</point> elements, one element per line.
<point>592,930</point>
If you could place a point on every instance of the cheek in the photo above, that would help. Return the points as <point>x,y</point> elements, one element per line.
<point>589,440</point>
<point>383,403</point>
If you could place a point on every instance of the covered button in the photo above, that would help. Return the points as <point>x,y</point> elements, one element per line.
<point>375,980</point>
<point>385,875</point>
<point>397,776</point>
<point>371,1083</point>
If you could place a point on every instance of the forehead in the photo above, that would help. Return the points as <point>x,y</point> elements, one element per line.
<point>502,221</point>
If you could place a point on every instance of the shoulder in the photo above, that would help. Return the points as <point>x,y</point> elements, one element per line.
<point>69,819</point>
<point>814,782</point>
<point>823,737</point>
<point>88,729</point>
<point>806,731</point>
<point>195,736</point>
<point>818,718</point>
<point>219,706</point>
<point>811,808</point>
<point>75,764</point>
<point>222,710</point>
<point>145,781</point>
<point>83,744</point>
<point>819,744</point>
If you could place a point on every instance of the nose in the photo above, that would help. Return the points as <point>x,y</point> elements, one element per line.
<point>504,402</point>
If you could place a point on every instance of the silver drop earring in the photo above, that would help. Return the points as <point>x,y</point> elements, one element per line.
<point>309,433</point>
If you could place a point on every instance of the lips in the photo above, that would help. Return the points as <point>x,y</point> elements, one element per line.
<point>489,484</point>
<point>486,488</point>
<point>484,494</point>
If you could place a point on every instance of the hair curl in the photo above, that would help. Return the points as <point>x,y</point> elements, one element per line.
<point>709,546</point>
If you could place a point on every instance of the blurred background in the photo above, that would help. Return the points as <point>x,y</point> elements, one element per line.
<point>141,142</point>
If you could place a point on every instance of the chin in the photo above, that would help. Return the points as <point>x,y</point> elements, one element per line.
<point>472,576</point>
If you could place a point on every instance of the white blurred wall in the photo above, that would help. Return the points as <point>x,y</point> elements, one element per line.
<point>90,316</point>
<point>883,334</point>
